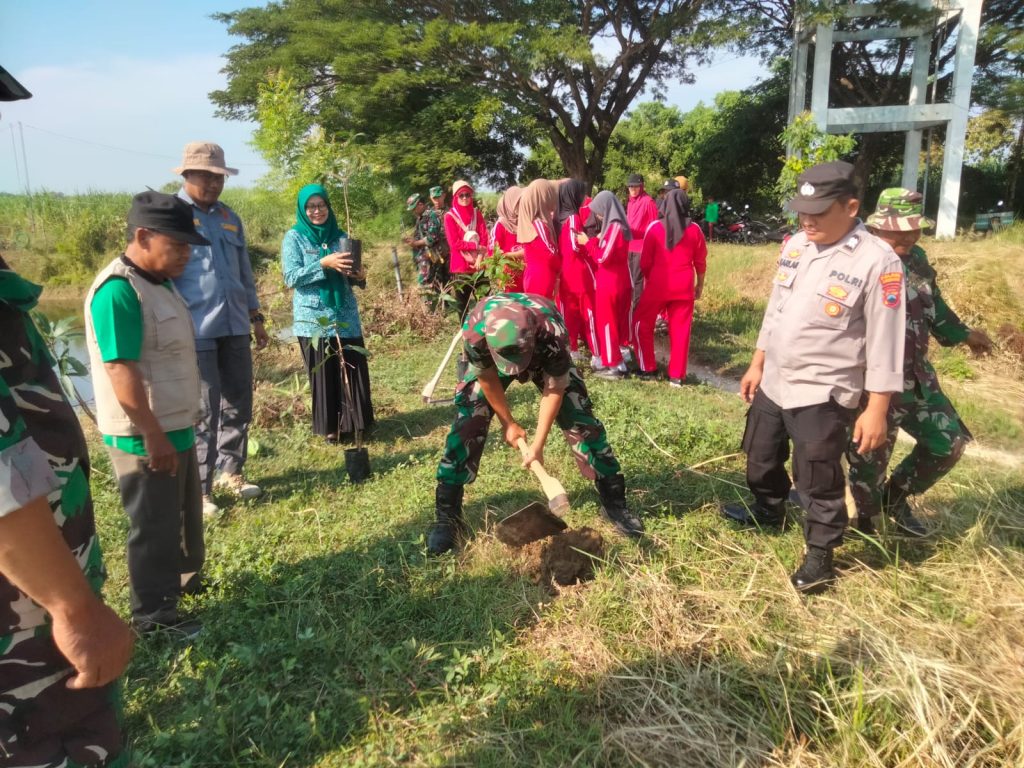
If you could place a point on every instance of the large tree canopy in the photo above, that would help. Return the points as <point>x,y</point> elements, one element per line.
<point>447,87</point>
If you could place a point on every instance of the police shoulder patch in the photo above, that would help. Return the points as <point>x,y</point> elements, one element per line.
<point>832,309</point>
<point>892,288</point>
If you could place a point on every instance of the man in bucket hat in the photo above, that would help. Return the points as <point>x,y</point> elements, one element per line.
<point>922,408</point>
<point>832,334</point>
<point>220,291</point>
<point>518,336</point>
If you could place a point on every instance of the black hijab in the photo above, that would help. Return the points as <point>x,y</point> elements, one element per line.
<point>571,195</point>
<point>675,213</point>
<point>606,205</point>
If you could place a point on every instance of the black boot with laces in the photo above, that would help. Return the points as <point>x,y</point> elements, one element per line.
<point>815,574</point>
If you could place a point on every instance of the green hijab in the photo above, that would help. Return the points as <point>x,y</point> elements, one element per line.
<point>337,288</point>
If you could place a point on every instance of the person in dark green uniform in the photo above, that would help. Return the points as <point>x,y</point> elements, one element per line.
<point>61,648</point>
<point>429,248</point>
<point>922,410</point>
<point>518,336</point>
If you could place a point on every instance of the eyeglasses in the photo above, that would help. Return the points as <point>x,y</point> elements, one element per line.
<point>465,196</point>
<point>315,207</point>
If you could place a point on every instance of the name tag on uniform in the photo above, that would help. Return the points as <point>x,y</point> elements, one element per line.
<point>230,227</point>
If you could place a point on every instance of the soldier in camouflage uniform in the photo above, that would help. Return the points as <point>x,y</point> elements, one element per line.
<point>922,409</point>
<point>518,336</point>
<point>429,248</point>
<point>61,648</point>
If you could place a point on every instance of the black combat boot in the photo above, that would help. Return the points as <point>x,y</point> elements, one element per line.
<point>895,503</point>
<point>449,526</point>
<point>612,491</point>
<point>756,515</point>
<point>815,574</point>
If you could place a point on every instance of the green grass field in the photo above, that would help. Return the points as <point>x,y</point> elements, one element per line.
<point>332,640</point>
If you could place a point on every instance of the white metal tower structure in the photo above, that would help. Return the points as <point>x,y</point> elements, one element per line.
<point>911,118</point>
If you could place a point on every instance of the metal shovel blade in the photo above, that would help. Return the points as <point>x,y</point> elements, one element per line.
<point>532,522</point>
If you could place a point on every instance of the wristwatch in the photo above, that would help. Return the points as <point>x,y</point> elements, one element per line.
<point>257,318</point>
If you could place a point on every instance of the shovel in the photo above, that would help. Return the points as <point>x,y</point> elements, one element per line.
<point>535,521</point>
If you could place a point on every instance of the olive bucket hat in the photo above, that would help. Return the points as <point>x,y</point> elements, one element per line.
<point>899,210</point>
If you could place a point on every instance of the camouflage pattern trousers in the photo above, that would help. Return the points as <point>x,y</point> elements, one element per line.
<point>929,417</point>
<point>431,275</point>
<point>43,723</point>
<point>583,431</point>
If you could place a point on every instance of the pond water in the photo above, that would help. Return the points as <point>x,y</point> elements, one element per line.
<point>57,310</point>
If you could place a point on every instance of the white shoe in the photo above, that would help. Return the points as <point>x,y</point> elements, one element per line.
<point>210,509</point>
<point>627,354</point>
<point>595,363</point>
<point>236,485</point>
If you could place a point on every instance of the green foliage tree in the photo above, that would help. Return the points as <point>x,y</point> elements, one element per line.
<point>453,87</point>
<point>809,146</point>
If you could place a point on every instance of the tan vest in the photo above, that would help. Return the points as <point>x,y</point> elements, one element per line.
<point>170,372</point>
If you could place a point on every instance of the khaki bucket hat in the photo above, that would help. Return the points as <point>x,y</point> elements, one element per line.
<point>204,156</point>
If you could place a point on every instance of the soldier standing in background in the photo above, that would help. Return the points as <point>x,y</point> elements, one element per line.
<point>922,408</point>
<point>429,248</point>
<point>509,337</point>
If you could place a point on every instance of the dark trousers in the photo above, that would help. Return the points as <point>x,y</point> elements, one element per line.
<point>820,434</point>
<point>222,433</point>
<point>165,538</point>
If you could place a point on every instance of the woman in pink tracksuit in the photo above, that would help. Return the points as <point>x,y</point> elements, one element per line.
<point>609,253</point>
<point>466,231</point>
<point>503,237</point>
<point>535,233</point>
<point>673,253</point>
<point>576,284</point>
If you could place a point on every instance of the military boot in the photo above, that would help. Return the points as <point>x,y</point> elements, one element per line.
<point>612,491</point>
<point>756,515</point>
<point>449,526</point>
<point>815,574</point>
<point>899,510</point>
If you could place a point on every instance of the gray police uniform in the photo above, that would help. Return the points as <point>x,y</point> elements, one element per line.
<point>832,330</point>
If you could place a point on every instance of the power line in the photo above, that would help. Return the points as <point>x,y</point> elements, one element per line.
<point>120,149</point>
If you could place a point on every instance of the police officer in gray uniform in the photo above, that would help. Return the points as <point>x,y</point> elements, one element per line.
<point>832,331</point>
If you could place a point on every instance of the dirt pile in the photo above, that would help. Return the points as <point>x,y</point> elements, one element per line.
<point>565,558</point>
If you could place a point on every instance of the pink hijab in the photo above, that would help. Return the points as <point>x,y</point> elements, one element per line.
<point>466,213</point>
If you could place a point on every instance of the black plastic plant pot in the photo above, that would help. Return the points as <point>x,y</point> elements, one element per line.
<point>357,464</point>
<point>355,247</point>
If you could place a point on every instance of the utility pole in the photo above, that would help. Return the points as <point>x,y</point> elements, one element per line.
<point>28,186</point>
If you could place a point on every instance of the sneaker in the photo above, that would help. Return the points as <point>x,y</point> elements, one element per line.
<point>183,629</point>
<point>210,510</point>
<point>236,485</point>
<point>627,354</point>
<point>678,383</point>
<point>596,363</point>
<point>815,574</point>
<point>610,374</point>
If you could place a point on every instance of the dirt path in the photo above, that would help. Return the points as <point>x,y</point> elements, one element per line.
<point>708,376</point>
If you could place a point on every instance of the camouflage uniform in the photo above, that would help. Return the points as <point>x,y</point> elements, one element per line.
<point>922,409</point>
<point>548,359</point>
<point>43,452</point>
<point>431,259</point>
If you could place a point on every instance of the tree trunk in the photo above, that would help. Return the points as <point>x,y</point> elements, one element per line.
<point>1013,171</point>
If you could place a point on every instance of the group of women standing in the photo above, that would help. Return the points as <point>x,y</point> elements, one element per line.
<point>574,249</point>
<point>557,242</point>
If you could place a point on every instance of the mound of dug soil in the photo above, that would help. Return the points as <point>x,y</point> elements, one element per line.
<point>565,558</point>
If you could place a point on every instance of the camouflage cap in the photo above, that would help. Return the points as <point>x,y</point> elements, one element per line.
<point>899,210</point>
<point>510,329</point>
<point>436,192</point>
<point>411,200</point>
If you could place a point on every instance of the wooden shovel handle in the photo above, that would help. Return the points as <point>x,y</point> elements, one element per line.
<point>536,467</point>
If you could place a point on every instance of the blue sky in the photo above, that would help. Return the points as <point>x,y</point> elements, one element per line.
<point>120,87</point>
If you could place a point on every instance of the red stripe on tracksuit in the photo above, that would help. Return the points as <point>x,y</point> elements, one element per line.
<point>612,290</point>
